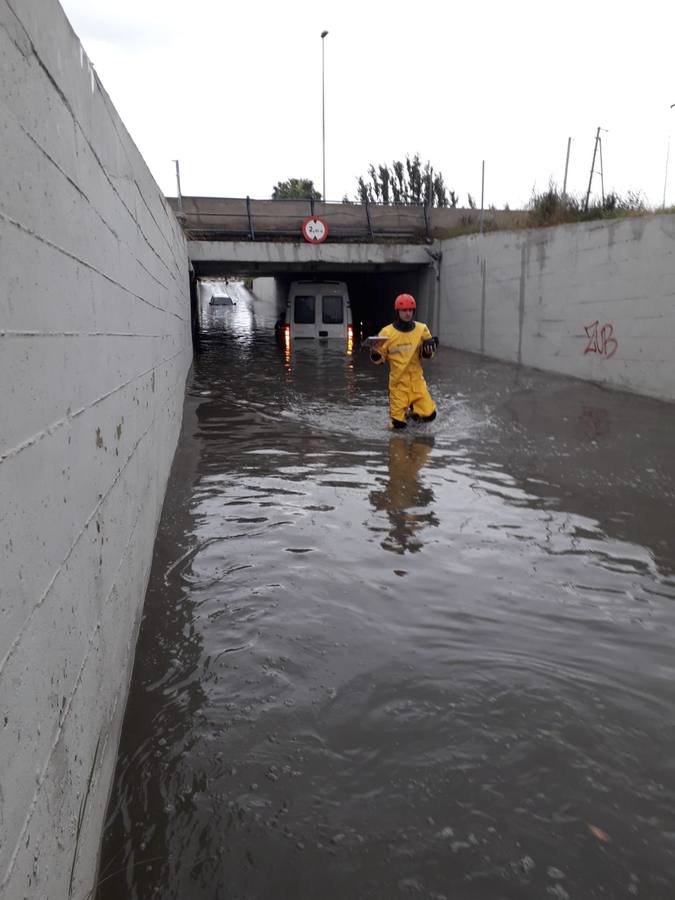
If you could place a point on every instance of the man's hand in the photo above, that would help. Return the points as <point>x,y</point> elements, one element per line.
<point>429,347</point>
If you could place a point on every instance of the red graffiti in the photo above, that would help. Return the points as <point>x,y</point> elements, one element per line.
<point>601,340</point>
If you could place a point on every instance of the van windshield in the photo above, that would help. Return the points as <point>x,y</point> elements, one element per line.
<point>304,310</point>
<point>332,310</point>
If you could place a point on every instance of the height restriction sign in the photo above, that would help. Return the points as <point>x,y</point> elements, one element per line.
<point>314,230</point>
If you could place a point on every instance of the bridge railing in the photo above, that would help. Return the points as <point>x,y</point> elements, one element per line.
<point>225,218</point>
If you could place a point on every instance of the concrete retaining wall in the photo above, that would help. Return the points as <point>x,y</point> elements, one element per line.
<point>94,350</point>
<point>270,292</point>
<point>595,301</point>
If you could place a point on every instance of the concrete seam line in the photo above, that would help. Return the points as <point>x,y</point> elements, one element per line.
<point>51,159</point>
<point>81,813</point>
<point>114,118</point>
<point>66,103</point>
<point>66,709</point>
<point>19,635</point>
<point>125,334</point>
<point>24,445</point>
<point>106,224</point>
<point>87,265</point>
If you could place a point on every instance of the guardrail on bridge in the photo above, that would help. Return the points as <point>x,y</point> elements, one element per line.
<point>227,218</point>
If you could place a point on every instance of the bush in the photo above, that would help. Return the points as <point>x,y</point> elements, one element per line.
<point>551,208</point>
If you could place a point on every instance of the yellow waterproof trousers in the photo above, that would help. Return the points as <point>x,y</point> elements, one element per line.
<point>408,392</point>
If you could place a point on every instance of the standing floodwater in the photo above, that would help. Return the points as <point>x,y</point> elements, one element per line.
<point>437,664</point>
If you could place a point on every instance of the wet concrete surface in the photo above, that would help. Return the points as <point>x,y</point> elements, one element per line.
<point>434,665</point>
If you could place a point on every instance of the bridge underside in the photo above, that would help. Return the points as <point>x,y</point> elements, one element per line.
<point>212,258</point>
<point>374,273</point>
<point>251,269</point>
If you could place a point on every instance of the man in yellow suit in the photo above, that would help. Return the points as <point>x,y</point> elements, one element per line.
<point>403,344</point>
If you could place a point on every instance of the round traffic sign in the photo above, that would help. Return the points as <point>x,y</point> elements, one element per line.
<point>315,230</point>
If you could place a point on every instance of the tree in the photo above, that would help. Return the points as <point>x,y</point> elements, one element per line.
<point>296,189</point>
<point>405,182</point>
<point>365,191</point>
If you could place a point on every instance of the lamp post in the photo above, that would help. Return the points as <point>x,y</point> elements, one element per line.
<point>179,196</point>
<point>665,178</point>
<point>567,165</point>
<point>323,112</point>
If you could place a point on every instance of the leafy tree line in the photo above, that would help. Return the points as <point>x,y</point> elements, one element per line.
<point>295,189</point>
<point>407,182</point>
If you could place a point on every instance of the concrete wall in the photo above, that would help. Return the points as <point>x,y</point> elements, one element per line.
<point>270,292</point>
<point>272,258</point>
<point>94,350</point>
<point>594,301</point>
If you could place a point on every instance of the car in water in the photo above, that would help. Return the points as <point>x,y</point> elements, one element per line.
<point>221,300</point>
<point>317,310</point>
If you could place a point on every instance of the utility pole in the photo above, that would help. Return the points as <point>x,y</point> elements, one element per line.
<point>482,195</point>
<point>665,178</point>
<point>178,193</point>
<point>598,143</point>
<point>567,163</point>
<point>323,112</point>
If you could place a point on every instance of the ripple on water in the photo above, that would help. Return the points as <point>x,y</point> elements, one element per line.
<point>436,664</point>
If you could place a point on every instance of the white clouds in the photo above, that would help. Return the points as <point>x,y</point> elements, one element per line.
<point>234,90</point>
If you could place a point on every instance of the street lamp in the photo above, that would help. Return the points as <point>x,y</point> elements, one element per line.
<point>323,112</point>
<point>665,179</point>
<point>179,196</point>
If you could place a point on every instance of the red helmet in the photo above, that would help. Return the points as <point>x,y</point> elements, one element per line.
<point>405,301</point>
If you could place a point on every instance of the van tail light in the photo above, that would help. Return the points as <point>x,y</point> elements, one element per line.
<point>287,336</point>
<point>350,338</point>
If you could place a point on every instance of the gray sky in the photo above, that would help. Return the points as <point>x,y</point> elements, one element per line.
<point>233,90</point>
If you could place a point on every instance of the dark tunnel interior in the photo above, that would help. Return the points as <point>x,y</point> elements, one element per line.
<point>371,294</point>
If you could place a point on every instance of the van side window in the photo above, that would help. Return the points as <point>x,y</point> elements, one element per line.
<point>332,310</point>
<point>304,310</point>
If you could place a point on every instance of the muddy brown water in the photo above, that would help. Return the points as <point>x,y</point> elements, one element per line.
<point>432,665</point>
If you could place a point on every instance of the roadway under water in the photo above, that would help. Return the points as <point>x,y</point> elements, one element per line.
<point>434,665</point>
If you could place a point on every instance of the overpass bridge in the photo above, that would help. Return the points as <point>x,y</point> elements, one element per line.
<point>231,218</point>
<point>378,250</point>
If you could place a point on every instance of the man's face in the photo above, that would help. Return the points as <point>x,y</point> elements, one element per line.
<point>406,314</point>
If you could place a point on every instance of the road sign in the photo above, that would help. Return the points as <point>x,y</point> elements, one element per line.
<point>315,230</point>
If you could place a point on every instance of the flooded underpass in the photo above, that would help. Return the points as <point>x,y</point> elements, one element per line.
<point>436,664</point>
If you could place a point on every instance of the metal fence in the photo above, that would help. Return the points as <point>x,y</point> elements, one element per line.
<point>226,218</point>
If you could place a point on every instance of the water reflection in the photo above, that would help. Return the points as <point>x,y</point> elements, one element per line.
<point>595,423</point>
<point>405,495</point>
<point>309,351</point>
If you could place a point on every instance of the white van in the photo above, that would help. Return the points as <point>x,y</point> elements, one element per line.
<point>319,310</point>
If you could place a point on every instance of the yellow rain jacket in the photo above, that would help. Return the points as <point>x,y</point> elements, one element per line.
<point>407,388</point>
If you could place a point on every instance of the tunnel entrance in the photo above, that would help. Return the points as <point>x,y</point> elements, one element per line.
<point>371,293</point>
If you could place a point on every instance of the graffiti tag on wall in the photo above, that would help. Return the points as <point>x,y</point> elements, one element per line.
<point>601,339</point>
